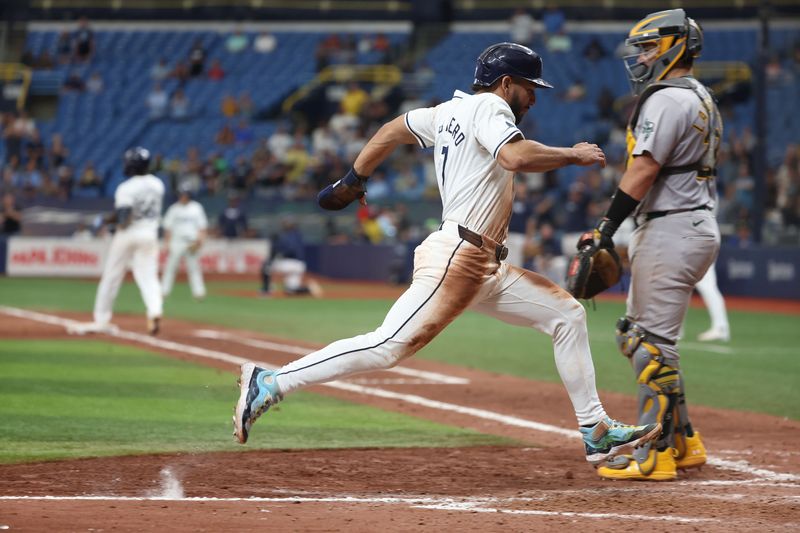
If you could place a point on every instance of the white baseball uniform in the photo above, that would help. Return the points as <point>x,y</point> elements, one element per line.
<point>134,247</point>
<point>459,267</point>
<point>186,223</point>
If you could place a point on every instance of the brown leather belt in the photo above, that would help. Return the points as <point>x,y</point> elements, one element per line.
<point>476,239</point>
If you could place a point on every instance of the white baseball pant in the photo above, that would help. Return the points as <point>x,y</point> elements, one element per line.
<point>451,275</point>
<point>714,301</point>
<point>292,271</point>
<point>139,253</point>
<point>179,248</point>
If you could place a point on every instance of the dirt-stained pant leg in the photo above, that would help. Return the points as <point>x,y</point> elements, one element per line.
<point>144,266</point>
<point>448,274</point>
<point>523,298</point>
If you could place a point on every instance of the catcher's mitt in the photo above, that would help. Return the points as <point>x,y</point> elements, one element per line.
<point>194,247</point>
<point>593,269</point>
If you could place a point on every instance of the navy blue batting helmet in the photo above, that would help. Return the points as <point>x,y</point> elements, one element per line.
<point>509,59</point>
<point>137,161</point>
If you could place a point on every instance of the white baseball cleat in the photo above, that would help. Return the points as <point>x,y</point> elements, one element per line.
<point>82,328</point>
<point>714,335</point>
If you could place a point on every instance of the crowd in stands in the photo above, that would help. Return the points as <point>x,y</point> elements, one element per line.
<point>302,156</point>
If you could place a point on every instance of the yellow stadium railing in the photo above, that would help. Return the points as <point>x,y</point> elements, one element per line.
<point>380,74</point>
<point>11,72</point>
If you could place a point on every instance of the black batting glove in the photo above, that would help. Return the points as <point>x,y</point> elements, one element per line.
<point>339,195</point>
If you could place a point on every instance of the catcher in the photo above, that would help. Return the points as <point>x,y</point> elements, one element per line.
<point>673,136</point>
<point>185,226</point>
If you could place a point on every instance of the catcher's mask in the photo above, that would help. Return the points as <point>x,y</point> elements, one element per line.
<point>509,59</point>
<point>658,42</point>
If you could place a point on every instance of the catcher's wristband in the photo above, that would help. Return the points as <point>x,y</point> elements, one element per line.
<point>622,205</point>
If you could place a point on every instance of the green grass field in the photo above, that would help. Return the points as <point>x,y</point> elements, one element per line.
<point>157,405</point>
<point>88,398</point>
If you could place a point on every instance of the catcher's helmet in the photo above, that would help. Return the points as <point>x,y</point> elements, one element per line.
<point>509,59</point>
<point>659,41</point>
<point>137,161</point>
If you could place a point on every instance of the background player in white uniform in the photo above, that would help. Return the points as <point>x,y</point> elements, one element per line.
<point>708,289</point>
<point>477,148</point>
<point>673,137</point>
<point>137,210</point>
<point>185,226</point>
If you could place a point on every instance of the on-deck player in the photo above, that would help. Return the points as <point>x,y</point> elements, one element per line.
<point>673,136</point>
<point>137,210</point>
<point>185,226</point>
<point>477,150</point>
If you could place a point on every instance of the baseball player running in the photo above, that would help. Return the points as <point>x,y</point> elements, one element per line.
<point>673,136</point>
<point>477,149</point>
<point>137,209</point>
<point>185,226</point>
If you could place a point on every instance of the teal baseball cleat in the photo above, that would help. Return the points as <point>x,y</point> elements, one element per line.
<point>609,438</point>
<point>258,392</point>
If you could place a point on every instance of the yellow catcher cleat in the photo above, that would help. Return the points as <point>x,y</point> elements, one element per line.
<point>691,452</point>
<point>659,466</point>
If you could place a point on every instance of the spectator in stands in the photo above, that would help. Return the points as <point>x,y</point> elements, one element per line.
<point>89,178</point>
<point>265,43</point>
<point>521,27</point>
<point>84,41</point>
<point>157,102</point>
<point>215,71</point>
<point>34,149</point>
<point>180,73</point>
<point>31,178</point>
<point>82,232</point>
<point>245,105</point>
<point>241,175</point>
<point>594,50</point>
<point>229,106</point>
<point>575,92</point>
<point>225,136</point>
<point>95,84</point>
<point>10,217</point>
<point>243,133</point>
<point>354,99</point>
<point>197,59</point>
<point>57,153</point>
<point>553,20</point>
<point>236,42</point>
<point>326,50</point>
<point>64,47</point>
<point>323,140</point>
<point>279,142</point>
<point>232,222</point>
<point>74,82</point>
<point>65,178</point>
<point>179,107</point>
<point>44,61</point>
<point>160,71</point>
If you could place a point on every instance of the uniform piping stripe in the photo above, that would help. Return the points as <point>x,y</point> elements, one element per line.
<point>504,141</point>
<point>398,329</point>
<point>414,133</point>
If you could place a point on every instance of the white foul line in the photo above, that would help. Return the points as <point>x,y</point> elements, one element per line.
<point>738,466</point>
<point>478,505</point>
<point>299,350</point>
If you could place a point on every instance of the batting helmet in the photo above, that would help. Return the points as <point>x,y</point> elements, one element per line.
<point>509,59</point>
<point>137,161</point>
<point>660,41</point>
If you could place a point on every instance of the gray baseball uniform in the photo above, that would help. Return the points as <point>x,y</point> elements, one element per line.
<point>670,253</point>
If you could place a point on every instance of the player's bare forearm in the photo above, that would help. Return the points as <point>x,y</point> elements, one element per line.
<point>381,145</point>
<point>640,176</point>
<point>524,155</point>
